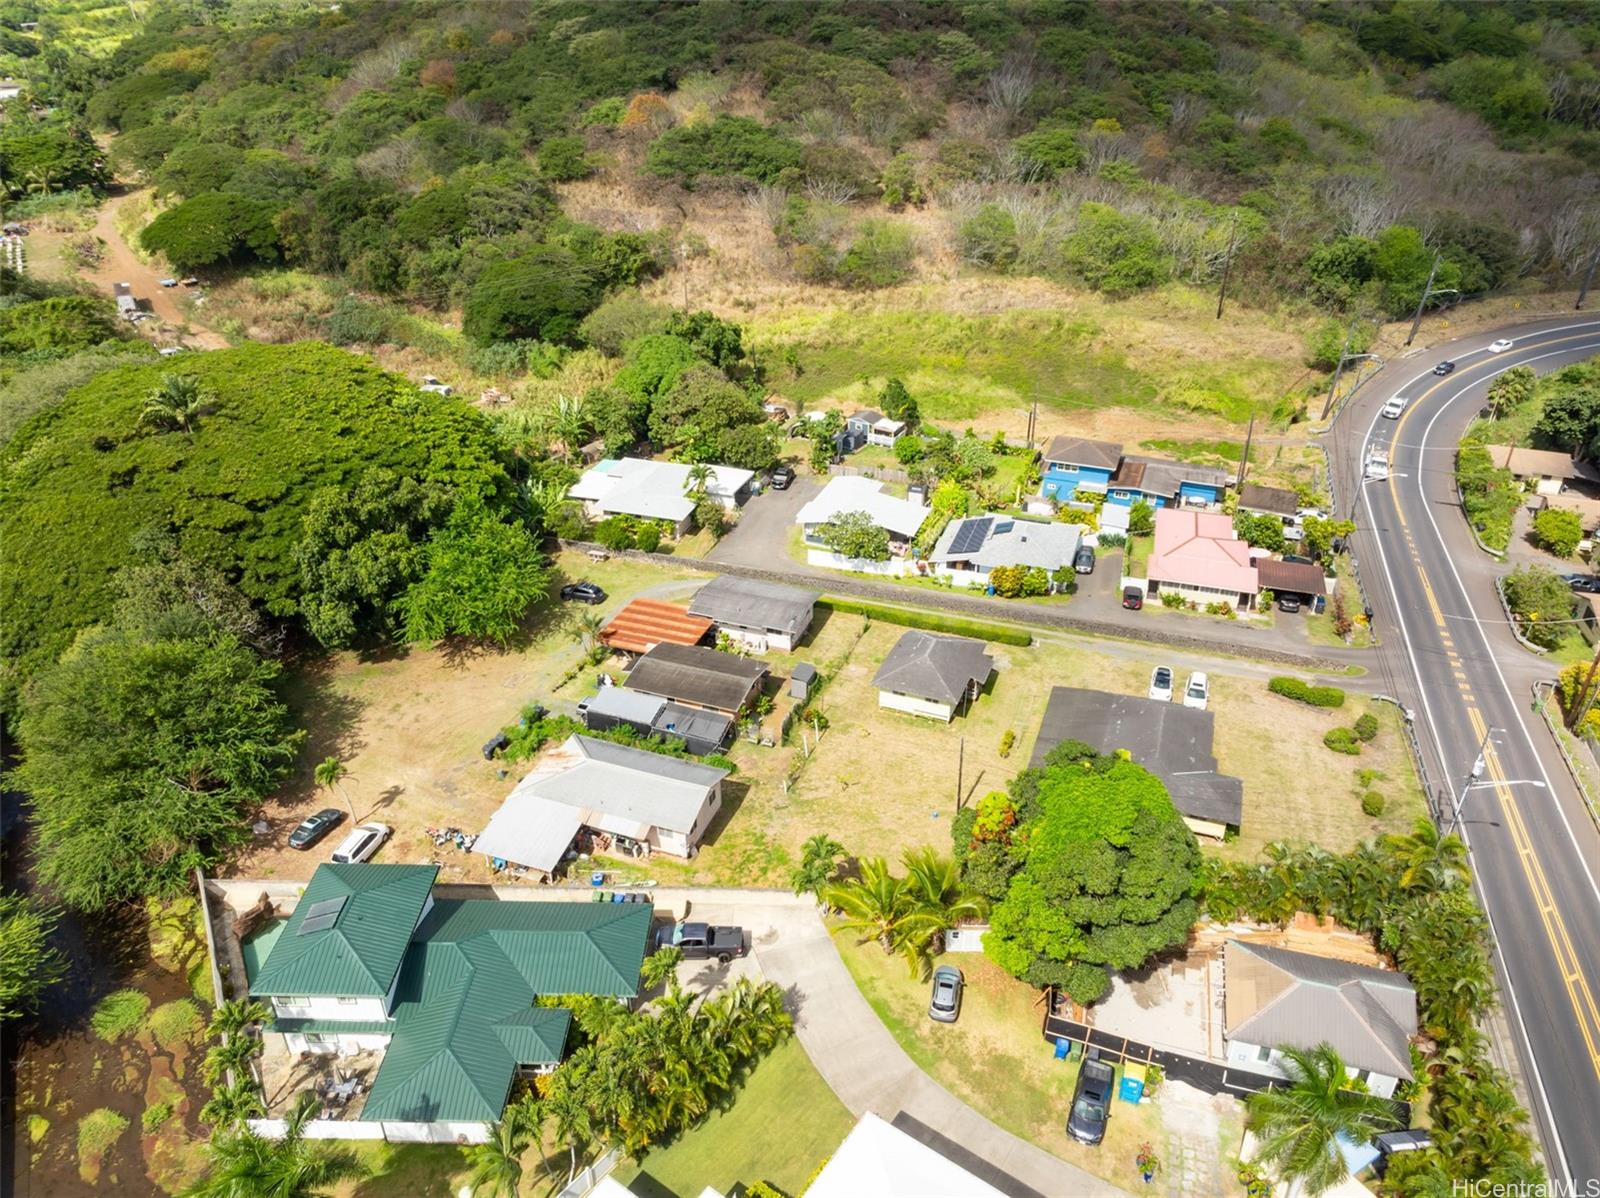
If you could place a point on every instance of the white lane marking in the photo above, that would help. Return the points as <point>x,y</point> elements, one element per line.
<point>1529,1056</point>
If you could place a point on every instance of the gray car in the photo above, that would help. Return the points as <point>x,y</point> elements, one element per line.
<point>945,1004</point>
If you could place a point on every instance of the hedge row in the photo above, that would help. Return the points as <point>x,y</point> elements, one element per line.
<point>1304,692</point>
<point>931,621</point>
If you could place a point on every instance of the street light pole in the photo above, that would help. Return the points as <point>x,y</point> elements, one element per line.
<point>1426,290</point>
<point>1472,777</point>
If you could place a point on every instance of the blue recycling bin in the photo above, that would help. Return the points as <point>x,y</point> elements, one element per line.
<point>1063,1048</point>
<point>597,878</point>
<point>1132,1089</point>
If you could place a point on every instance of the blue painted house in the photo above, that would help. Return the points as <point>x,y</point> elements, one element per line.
<point>1161,483</point>
<point>1071,463</point>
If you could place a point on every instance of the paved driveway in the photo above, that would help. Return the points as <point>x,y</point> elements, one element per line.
<point>761,538</point>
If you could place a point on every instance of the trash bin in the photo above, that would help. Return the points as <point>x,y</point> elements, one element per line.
<point>1132,1089</point>
<point>1063,1048</point>
<point>597,878</point>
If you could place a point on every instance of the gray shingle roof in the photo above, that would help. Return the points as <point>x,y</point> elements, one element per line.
<point>1078,451</point>
<point>1170,740</point>
<point>937,668</point>
<point>752,604</point>
<point>1274,500</point>
<point>1010,541</point>
<point>696,675</point>
<point>635,784</point>
<point>1275,996</point>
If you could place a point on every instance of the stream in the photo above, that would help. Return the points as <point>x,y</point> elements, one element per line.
<point>54,1069</point>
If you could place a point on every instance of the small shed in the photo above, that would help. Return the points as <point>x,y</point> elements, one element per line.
<point>801,679</point>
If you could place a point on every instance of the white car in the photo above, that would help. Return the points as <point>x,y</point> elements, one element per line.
<point>429,383</point>
<point>362,842</point>
<point>1197,692</point>
<point>1161,684</point>
<point>1392,409</point>
<point>1377,465</point>
<point>1500,346</point>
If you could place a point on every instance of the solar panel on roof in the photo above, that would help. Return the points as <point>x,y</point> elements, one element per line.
<point>971,535</point>
<point>322,915</point>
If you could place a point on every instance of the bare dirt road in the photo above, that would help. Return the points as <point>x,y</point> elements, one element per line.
<point>121,265</point>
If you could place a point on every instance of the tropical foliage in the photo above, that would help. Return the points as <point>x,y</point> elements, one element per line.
<point>241,1164</point>
<point>1410,893</point>
<point>906,915</point>
<point>1300,1126</point>
<point>29,963</point>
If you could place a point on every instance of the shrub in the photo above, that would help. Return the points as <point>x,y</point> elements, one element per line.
<point>1569,690</point>
<point>98,1131</point>
<point>155,1117</point>
<point>615,532</point>
<point>1558,531</point>
<point>1372,804</point>
<point>1220,608</point>
<point>1112,540</point>
<point>564,159</point>
<point>1366,728</point>
<point>174,1023</point>
<point>119,1013</point>
<point>1007,742</point>
<point>1171,599</point>
<point>356,322</point>
<point>1302,692</point>
<point>727,145</point>
<point>544,294</point>
<point>1342,740</point>
<point>929,621</point>
<point>648,538</point>
<point>1541,602</point>
<point>214,228</point>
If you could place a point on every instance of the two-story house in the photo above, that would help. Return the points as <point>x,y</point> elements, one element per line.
<point>1073,463</point>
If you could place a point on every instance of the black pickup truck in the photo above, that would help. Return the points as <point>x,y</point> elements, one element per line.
<point>700,941</point>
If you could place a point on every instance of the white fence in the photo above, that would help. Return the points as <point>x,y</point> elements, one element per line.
<point>319,1129</point>
<point>829,560</point>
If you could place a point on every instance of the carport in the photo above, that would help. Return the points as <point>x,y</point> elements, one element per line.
<point>1302,580</point>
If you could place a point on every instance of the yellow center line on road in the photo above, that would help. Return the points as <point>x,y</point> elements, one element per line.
<point>1567,960</point>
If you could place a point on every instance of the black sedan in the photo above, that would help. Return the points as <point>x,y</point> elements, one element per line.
<point>583,592</point>
<point>1583,582</point>
<point>1444,368</point>
<point>1091,1102</point>
<point>782,477</point>
<point>315,827</point>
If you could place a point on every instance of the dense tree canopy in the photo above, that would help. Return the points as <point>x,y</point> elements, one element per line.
<point>1106,877</point>
<point>284,422</point>
<point>142,757</point>
<point>214,228</point>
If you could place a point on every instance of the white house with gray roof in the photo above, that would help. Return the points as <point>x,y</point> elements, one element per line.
<point>931,675</point>
<point>664,803</point>
<point>969,549</point>
<point>759,615</point>
<point>654,490</point>
<point>1275,997</point>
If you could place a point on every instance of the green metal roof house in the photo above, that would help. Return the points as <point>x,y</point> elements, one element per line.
<point>445,988</point>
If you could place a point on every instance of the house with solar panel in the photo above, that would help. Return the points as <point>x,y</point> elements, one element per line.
<point>427,1002</point>
<point>969,549</point>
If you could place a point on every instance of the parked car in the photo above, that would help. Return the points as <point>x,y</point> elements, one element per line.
<point>782,477</point>
<point>1133,598</point>
<point>363,841</point>
<point>1161,684</point>
<point>1289,603</point>
<point>583,592</point>
<point>1589,583</point>
<point>1197,692</point>
<point>1393,409</point>
<point>314,827</point>
<point>1500,346</point>
<point>169,282</point>
<point>700,941</point>
<point>429,383</point>
<point>945,1004</point>
<point>1083,560</point>
<point>1298,559</point>
<point>1091,1102</point>
<point>1444,368</point>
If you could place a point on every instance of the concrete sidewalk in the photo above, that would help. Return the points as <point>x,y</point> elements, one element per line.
<point>869,1071</point>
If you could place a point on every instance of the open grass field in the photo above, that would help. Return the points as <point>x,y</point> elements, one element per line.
<point>995,1059</point>
<point>782,1125</point>
<point>1090,363</point>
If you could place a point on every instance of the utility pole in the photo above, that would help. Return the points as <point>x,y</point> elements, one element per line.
<point>1344,354</point>
<point>1588,277</point>
<point>1244,458</point>
<point>1227,265</point>
<point>961,766</point>
<point>1472,776</point>
<point>1427,293</point>
<point>1585,696</point>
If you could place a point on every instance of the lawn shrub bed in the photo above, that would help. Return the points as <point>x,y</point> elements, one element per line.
<point>929,621</point>
<point>1304,692</point>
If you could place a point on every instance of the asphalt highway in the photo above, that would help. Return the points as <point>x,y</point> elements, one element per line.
<point>1449,656</point>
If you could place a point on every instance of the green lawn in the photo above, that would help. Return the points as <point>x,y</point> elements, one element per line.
<point>782,1125</point>
<point>1138,555</point>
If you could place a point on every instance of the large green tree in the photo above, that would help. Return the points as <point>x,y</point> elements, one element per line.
<point>544,294</point>
<point>143,758</point>
<point>481,574</point>
<point>854,534</point>
<point>214,228</point>
<point>1108,878</point>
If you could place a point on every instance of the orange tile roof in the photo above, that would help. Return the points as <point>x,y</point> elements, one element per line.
<point>646,623</point>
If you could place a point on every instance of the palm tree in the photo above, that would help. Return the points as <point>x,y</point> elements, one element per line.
<point>229,1106</point>
<point>661,966</point>
<point>331,773</point>
<point>876,904</point>
<point>574,1128</point>
<point>497,1163</point>
<point>234,1016</point>
<point>569,422</point>
<point>245,1165</point>
<point>231,1055</point>
<point>697,481</point>
<point>174,404</point>
<point>819,861</point>
<point>586,630</point>
<point>938,902</point>
<point>1428,860</point>
<point>1299,1125</point>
